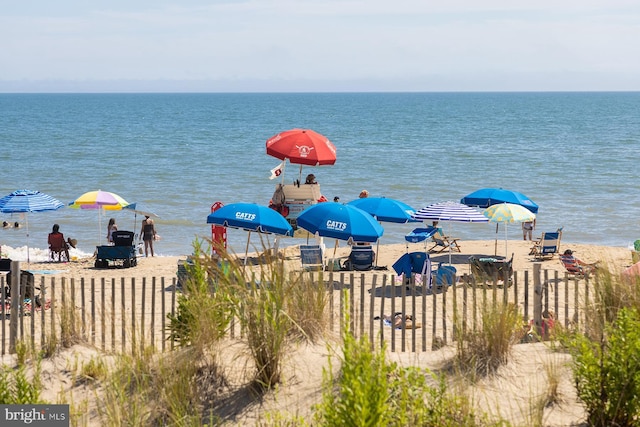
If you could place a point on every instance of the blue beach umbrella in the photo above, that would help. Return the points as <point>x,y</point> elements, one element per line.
<point>486,197</point>
<point>252,218</point>
<point>26,201</point>
<point>385,210</point>
<point>342,222</point>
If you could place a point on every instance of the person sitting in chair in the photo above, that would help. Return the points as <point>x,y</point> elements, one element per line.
<point>57,244</point>
<point>575,265</point>
<point>311,179</point>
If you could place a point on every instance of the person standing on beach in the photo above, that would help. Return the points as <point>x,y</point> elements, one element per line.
<point>527,229</point>
<point>110,229</point>
<point>148,233</point>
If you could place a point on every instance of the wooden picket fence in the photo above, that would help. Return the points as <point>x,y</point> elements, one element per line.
<point>116,314</point>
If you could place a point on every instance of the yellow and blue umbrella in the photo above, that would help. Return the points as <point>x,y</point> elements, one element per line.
<point>508,213</point>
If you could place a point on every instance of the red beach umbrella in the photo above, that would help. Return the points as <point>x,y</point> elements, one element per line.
<point>302,147</point>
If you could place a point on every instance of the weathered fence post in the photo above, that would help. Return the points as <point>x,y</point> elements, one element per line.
<point>15,306</point>
<point>537,298</point>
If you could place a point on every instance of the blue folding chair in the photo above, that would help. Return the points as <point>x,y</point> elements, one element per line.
<point>361,258</point>
<point>547,246</point>
<point>413,263</point>
<point>311,257</point>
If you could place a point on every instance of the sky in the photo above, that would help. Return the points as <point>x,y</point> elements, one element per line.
<point>319,45</point>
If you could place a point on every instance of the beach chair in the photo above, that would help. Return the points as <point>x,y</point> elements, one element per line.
<point>491,271</point>
<point>547,246</point>
<point>442,243</point>
<point>311,257</point>
<point>573,268</point>
<point>27,285</point>
<point>412,264</point>
<point>361,258</point>
<point>58,247</point>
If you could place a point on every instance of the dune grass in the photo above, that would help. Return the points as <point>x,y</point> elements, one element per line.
<point>606,365</point>
<point>277,310</point>
<point>482,351</point>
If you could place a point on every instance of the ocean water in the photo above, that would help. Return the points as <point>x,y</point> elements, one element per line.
<point>574,154</point>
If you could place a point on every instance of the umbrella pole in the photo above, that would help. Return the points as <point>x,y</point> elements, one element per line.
<point>246,250</point>
<point>450,245</point>
<point>284,163</point>
<point>99,224</point>
<point>495,249</point>
<point>377,250</point>
<point>506,250</point>
<point>26,216</point>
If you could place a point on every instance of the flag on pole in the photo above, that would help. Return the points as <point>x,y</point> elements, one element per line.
<point>277,171</point>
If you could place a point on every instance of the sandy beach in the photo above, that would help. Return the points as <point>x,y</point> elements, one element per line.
<point>522,379</point>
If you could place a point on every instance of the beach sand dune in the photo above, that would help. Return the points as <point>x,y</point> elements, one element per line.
<point>510,393</point>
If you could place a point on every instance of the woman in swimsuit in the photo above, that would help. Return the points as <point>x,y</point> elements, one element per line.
<point>148,233</point>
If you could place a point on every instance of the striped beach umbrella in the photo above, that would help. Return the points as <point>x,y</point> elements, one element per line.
<point>449,211</point>
<point>25,201</point>
<point>28,201</point>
